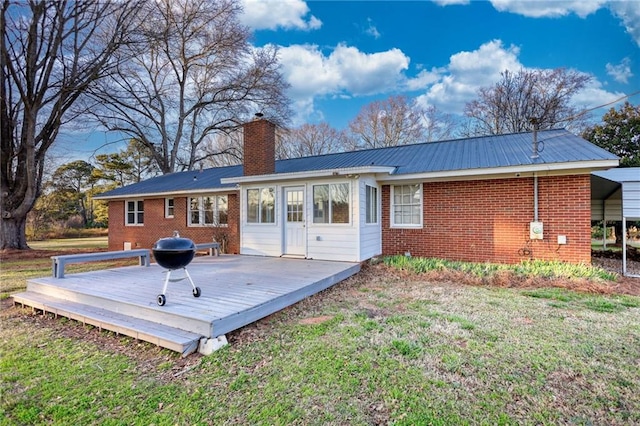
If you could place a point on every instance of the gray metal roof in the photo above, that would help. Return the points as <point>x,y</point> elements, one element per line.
<point>621,174</point>
<point>486,152</point>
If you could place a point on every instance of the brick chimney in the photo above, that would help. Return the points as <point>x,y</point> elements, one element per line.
<point>259,147</point>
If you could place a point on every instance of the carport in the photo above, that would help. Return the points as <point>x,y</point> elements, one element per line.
<point>615,196</point>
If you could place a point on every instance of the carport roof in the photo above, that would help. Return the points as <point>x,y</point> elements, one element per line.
<point>556,146</point>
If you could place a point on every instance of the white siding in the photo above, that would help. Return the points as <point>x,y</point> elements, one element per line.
<point>631,194</point>
<point>353,242</point>
<point>612,207</point>
<point>261,239</point>
<point>334,241</point>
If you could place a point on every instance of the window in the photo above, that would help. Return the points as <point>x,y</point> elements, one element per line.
<point>168,208</point>
<point>371,201</point>
<point>212,210</point>
<point>406,205</point>
<point>261,205</point>
<point>331,203</point>
<point>134,214</point>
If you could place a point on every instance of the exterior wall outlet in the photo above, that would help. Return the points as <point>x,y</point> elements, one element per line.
<point>562,239</point>
<point>536,231</point>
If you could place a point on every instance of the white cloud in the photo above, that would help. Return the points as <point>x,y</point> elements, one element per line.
<point>469,71</point>
<point>372,30</point>
<point>346,71</point>
<point>548,8</point>
<point>620,72</point>
<point>274,14</point>
<point>629,13</point>
<point>594,95</point>
<point>424,79</point>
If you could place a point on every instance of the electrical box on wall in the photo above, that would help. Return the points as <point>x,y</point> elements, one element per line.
<point>536,231</point>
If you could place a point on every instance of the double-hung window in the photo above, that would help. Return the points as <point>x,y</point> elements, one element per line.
<point>209,210</point>
<point>331,203</point>
<point>134,212</point>
<point>168,208</point>
<point>261,205</point>
<point>406,206</point>
<point>371,203</point>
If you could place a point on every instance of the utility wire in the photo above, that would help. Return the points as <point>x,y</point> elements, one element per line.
<point>598,107</point>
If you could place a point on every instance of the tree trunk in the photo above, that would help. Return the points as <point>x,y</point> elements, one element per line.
<point>617,226</point>
<point>12,233</point>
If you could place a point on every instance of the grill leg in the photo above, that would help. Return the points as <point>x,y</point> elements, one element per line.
<point>189,277</point>
<point>166,282</point>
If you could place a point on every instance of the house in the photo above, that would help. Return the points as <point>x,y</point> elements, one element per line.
<point>494,198</point>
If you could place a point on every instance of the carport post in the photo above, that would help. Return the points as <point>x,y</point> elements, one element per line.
<point>624,245</point>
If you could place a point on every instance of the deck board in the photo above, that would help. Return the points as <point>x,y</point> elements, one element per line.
<point>236,291</point>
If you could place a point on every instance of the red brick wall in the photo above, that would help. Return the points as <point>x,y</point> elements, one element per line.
<point>489,221</point>
<point>259,147</point>
<point>156,226</point>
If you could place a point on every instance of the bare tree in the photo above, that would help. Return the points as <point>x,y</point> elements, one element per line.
<point>437,126</point>
<point>223,149</point>
<point>390,122</point>
<point>196,75</point>
<point>310,139</point>
<point>50,54</point>
<point>521,99</point>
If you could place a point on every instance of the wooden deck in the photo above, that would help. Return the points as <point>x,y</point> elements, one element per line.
<point>236,291</point>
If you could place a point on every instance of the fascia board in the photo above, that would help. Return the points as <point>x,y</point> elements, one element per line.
<point>313,174</point>
<point>168,194</point>
<point>578,167</point>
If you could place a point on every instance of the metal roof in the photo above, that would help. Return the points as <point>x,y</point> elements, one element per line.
<point>486,152</point>
<point>622,174</point>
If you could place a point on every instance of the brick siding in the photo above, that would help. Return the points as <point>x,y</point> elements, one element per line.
<point>488,220</point>
<point>156,226</point>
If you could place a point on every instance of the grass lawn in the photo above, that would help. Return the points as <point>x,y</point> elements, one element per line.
<point>16,270</point>
<point>70,243</point>
<point>383,347</point>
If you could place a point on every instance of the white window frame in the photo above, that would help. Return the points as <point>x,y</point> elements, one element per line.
<point>392,218</point>
<point>201,212</point>
<point>329,211</point>
<point>136,212</point>
<point>260,220</point>
<point>169,210</point>
<point>371,205</point>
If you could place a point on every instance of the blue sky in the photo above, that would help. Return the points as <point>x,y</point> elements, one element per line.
<point>339,56</point>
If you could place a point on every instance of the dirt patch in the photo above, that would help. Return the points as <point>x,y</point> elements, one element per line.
<point>315,320</point>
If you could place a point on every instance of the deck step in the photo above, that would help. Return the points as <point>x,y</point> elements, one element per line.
<point>133,304</point>
<point>177,340</point>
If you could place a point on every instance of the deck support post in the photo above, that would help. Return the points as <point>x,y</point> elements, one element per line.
<point>207,346</point>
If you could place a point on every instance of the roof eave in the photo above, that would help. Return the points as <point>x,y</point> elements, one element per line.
<point>312,174</point>
<point>577,167</point>
<point>174,193</point>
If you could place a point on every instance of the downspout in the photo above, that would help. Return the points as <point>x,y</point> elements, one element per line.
<point>624,244</point>
<point>535,197</point>
<point>534,157</point>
